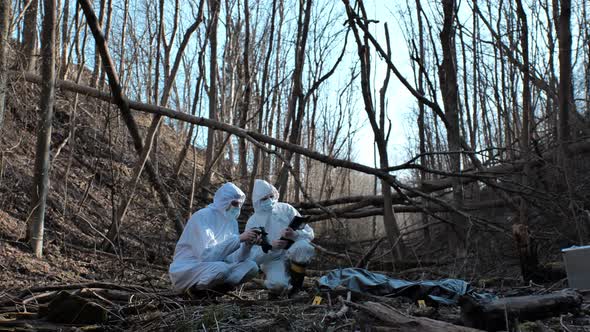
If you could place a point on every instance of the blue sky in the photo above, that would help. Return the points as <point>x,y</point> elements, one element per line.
<point>399,101</point>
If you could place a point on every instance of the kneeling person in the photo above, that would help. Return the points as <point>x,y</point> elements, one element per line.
<point>211,254</point>
<point>284,268</point>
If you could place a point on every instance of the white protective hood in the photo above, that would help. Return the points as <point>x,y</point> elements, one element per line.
<point>209,236</point>
<point>274,221</point>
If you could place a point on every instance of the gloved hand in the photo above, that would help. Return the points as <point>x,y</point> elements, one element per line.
<point>289,233</point>
<point>248,236</point>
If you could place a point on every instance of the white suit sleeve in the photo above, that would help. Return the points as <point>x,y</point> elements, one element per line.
<point>303,234</point>
<point>208,250</point>
<point>239,255</point>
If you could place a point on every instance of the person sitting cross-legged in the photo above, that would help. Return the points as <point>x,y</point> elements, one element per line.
<point>284,265</point>
<point>211,254</point>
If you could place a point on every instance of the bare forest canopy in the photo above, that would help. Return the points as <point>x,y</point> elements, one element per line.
<point>283,90</point>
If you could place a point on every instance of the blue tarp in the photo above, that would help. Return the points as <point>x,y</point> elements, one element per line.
<point>444,291</point>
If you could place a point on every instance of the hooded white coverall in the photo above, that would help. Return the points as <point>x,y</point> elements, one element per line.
<point>275,220</point>
<point>209,252</point>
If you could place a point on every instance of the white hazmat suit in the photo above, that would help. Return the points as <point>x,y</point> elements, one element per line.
<point>209,252</point>
<point>275,218</point>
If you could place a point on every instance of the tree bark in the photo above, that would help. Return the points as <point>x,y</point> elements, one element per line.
<point>565,93</point>
<point>97,58</point>
<point>65,41</point>
<point>122,45</point>
<point>5,9</point>
<point>449,87</point>
<point>42,158</point>
<point>527,254</point>
<point>242,147</point>
<point>265,70</point>
<point>30,36</point>
<point>421,111</point>
<point>395,321</point>
<point>494,315</point>
<point>296,107</point>
<point>586,24</point>
<point>107,32</point>
<point>214,15</point>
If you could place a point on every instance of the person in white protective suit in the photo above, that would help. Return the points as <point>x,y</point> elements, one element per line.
<point>211,254</point>
<point>279,265</point>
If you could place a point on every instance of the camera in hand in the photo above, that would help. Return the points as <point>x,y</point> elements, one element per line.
<point>296,224</point>
<point>265,245</point>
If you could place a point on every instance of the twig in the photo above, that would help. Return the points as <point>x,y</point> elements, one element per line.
<point>563,324</point>
<point>343,310</point>
<point>330,253</point>
<point>370,252</point>
<point>39,297</point>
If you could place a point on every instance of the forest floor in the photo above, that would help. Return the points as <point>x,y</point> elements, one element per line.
<point>130,289</point>
<point>136,296</point>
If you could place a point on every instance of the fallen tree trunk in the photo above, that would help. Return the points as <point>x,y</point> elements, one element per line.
<point>582,146</point>
<point>396,321</point>
<point>349,212</point>
<point>215,125</point>
<point>495,315</point>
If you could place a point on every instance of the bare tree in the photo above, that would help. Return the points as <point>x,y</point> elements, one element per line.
<point>213,21</point>
<point>528,257</point>
<point>41,178</point>
<point>123,38</point>
<point>30,35</point>
<point>121,101</point>
<point>65,40</point>
<point>296,105</point>
<point>586,23</point>
<point>421,120</point>
<point>449,87</point>
<point>5,9</point>
<point>378,127</point>
<point>97,59</point>
<point>566,105</point>
<point>244,110</point>
<point>150,139</point>
<point>263,96</point>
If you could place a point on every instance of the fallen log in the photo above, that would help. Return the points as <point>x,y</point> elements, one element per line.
<point>578,147</point>
<point>213,124</point>
<point>396,321</point>
<point>581,146</point>
<point>497,314</point>
<point>27,293</point>
<point>73,309</point>
<point>347,213</point>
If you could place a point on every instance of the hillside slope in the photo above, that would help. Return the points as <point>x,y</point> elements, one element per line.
<point>89,172</point>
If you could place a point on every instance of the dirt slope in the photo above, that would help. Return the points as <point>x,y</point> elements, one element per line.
<point>87,175</point>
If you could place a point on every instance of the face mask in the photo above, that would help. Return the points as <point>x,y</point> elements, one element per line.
<point>233,212</point>
<point>267,204</point>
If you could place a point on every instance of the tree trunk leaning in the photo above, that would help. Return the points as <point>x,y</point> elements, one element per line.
<point>119,99</point>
